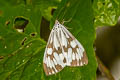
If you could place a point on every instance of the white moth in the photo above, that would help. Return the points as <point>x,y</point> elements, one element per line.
<point>62,49</point>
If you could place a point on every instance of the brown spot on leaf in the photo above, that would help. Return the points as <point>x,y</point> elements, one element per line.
<point>7,23</point>
<point>1,57</point>
<point>23,41</point>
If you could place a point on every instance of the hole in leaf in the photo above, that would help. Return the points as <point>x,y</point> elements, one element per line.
<point>52,11</point>
<point>20,24</point>
<point>23,41</point>
<point>32,34</point>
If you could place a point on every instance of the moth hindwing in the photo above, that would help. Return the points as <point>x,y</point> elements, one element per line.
<point>62,49</point>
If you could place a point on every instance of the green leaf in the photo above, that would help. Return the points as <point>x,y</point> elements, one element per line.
<point>106,12</point>
<point>21,55</point>
<point>46,7</point>
<point>10,13</point>
<point>80,17</point>
<point>19,50</point>
<point>11,2</point>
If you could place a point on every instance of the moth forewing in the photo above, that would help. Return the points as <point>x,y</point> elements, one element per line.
<point>78,56</point>
<point>53,58</point>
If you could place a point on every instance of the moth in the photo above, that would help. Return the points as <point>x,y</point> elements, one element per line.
<point>62,49</point>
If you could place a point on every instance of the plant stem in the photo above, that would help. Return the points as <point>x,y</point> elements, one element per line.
<point>103,69</point>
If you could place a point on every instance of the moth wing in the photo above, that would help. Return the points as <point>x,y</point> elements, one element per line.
<point>53,57</point>
<point>62,49</point>
<point>74,52</point>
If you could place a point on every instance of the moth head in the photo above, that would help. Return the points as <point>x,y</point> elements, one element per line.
<point>57,24</point>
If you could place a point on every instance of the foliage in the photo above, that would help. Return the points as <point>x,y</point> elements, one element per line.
<point>106,12</point>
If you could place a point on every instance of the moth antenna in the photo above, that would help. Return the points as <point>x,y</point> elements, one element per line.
<point>68,27</point>
<point>66,21</point>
